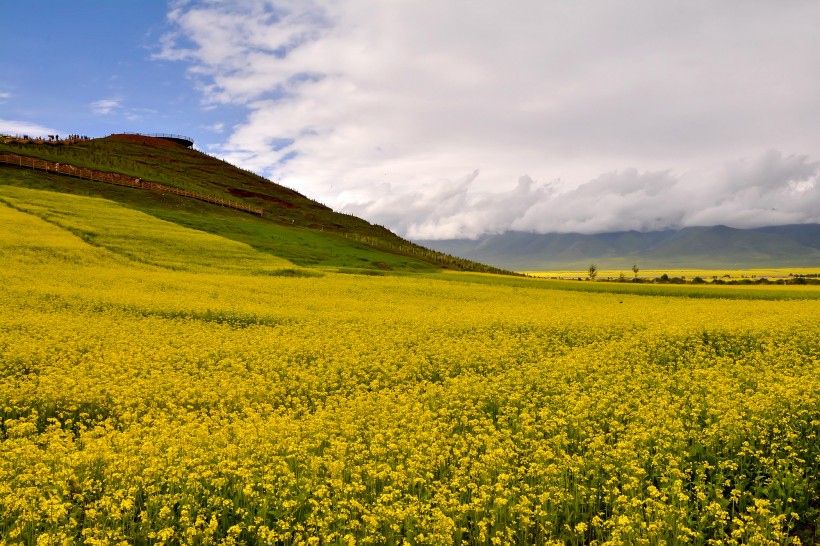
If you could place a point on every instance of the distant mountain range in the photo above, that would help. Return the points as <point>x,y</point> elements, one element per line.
<point>693,247</point>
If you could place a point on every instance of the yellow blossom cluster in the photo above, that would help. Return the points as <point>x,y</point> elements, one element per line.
<point>142,403</point>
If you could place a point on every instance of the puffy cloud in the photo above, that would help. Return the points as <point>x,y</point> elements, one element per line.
<point>770,189</point>
<point>448,209</point>
<point>613,201</point>
<point>389,109</point>
<point>767,190</point>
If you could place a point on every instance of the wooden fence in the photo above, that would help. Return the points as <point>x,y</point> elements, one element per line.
<point>120,180</point>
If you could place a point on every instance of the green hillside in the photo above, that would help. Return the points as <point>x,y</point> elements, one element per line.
<point>292,226</point>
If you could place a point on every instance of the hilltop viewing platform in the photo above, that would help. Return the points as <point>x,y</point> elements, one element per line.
<point>182,140</point>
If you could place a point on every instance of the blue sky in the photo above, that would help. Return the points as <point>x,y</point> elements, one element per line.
<point>452,119</point>
<point>88,67</point>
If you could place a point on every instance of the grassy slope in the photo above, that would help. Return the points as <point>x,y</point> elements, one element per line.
<point>293,227</point>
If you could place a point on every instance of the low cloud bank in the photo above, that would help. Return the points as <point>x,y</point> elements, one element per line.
<point>771,189</point>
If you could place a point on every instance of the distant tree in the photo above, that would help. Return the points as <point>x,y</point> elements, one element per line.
<point>592,271</point>
<point>635,270</point>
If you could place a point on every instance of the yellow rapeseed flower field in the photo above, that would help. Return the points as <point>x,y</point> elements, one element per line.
<point>158,389</point>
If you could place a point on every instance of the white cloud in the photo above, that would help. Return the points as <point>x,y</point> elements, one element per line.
<point>105,107</point>
<point>449,210</point>
<point>20,128</point>
<point>386,108</point>
<point>4,96</point>
<point>767,190</point>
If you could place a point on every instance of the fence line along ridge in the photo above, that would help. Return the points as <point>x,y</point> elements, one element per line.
<point>179,139</point>
<point>119,180</point>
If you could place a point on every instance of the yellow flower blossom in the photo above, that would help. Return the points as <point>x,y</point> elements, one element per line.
<point>171,400</point>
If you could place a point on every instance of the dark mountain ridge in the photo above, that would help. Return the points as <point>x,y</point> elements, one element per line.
<point>699,247</point>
